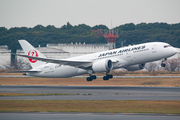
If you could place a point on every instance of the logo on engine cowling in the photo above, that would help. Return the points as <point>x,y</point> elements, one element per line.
<point>34,54</point>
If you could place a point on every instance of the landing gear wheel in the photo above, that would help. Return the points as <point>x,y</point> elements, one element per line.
<point>93,77</point>
<point>163,65</point>
<point>110,76</point>
<point>89,79</point>
<point>105,78</point>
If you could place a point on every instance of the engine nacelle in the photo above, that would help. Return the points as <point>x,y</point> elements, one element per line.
<point>135,67</point>
<point>102,65</point>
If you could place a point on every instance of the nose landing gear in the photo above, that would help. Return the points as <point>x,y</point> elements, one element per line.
<point>162,63</point>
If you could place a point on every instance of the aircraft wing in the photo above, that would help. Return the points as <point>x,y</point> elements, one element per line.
<point>75,63</point>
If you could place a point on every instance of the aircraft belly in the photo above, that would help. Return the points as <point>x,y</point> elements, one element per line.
<point>65,71</point>
<point>148,56</point>
<point>138,58</point>
<point>68,71</point>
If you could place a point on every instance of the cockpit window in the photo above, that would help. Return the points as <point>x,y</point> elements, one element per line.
<point>165,46</point>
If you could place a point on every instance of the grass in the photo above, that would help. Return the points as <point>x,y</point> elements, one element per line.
<point>32,94</point>
<point>163,107</point>
<point>168,82</point>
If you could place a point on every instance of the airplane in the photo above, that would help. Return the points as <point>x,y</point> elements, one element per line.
<point>131,58</point>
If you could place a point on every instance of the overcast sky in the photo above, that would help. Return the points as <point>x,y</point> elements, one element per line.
<point>29,13</point>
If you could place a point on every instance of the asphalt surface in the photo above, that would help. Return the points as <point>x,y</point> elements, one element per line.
<point>90,93</point>
<point>93,93</point>
<point>85,116</point>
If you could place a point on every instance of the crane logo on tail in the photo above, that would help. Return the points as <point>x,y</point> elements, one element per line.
<point>34,54</point>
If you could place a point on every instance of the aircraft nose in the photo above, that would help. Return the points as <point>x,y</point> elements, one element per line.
<point>174,51</point>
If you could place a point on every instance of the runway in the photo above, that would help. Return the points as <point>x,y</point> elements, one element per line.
<point>85,116</point>
<point>93,93</point>
<point>90,93</point>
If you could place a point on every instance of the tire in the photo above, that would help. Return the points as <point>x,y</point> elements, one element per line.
<point>163,65</point>
<point>105,78</point>
<point>89,79</point>
<point>93,77</point>
<point>110,76</point>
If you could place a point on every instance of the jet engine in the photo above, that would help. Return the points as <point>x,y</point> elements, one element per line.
<point>102,65</point>
<point>135,67</point>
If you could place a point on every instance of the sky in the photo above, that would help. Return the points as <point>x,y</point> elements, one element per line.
<point>29,13</point>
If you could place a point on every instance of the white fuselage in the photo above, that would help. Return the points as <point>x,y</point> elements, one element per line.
<point>121,57</point>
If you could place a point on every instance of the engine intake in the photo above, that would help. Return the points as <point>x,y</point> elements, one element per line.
<point>102,65</point>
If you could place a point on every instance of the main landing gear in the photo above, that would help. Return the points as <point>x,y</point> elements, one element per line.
<point>91,77</point>
<point>107,77</point>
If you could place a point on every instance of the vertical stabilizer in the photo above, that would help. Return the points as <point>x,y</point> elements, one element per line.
<point>31,51</point>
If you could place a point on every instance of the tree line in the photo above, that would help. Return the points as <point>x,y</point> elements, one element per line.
<point>128,33</point>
